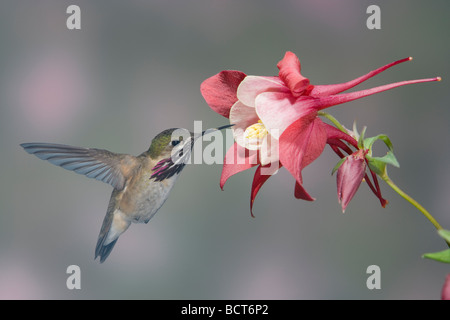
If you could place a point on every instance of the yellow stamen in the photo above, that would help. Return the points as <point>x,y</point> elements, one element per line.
<point>256,131</point>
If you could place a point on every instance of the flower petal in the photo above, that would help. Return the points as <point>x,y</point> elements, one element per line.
<point>376,190</point>
<point>334,133</point>
<point>290,73</point>
<point>300,193</point>
<point>269,151</point>
<point>236,160</point>
<point>258,180</point>
<point>252,86</point>
<point>278,110</point>
<point>328,101</point>
<point>329,89</point>
<point>300,144</point>
<point>220,90</point>
<point>242,116</point>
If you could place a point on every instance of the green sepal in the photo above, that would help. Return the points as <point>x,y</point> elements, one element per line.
<point>389,158</point>
<point>338,165</point>
<point>445,234</point>
<point>368,142</point>
<point>378,164</point>
<point>441,256</point>
<point>361,144</point>
<point>355,131</point>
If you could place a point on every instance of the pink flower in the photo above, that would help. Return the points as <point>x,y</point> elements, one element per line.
<point>445,295</point>
<point>347,182</point>
<point>280,114</point>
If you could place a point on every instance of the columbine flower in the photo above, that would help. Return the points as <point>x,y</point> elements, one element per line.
<point>280,113</point>
<point>354,172</point>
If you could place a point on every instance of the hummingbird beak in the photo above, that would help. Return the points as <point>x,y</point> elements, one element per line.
<point>195,137</point>
<point>214,129</point>
<point>224,127</point>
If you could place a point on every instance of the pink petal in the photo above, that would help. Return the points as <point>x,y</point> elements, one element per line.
<point>242,117</point>
<point>445,295</point>
<point>252,86</point>
<point>328,101</point>
<point>336,144</point>
<point>285,106</point>
<point>300,193</point>
<point>258,181</point>
<point>376,190</point>
<point>349,177</point>
<point>329,89</point>
<point>334,133</point>
<point>236,160</point>
<point>220,90</point>
<point>300,144</point>
<point>290,74</point>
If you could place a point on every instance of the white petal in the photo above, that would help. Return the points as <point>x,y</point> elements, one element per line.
<point>279,110</point>
<point>242,117</point>
<point>252,86</point>
<point>269,152</point>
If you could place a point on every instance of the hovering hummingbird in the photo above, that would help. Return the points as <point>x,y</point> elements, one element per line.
<point>141,183</point>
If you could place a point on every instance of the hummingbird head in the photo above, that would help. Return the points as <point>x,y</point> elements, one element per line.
<point>163,144</point>
<point>172,148</point>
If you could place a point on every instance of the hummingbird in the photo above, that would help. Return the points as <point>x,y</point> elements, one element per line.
<point>141,184</point>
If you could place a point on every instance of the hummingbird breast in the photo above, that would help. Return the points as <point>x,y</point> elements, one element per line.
<point>143,196</point>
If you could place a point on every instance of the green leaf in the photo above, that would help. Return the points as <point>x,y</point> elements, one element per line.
<point>445,234</point>
<point>442,256</point>
<point>337,166</point>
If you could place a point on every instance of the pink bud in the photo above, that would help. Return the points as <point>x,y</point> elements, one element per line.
<point>445,295</point>
<point>349,176</point>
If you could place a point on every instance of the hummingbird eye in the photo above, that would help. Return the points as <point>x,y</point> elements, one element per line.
<point>175,142</point>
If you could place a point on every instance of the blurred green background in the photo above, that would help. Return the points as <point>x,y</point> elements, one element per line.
<point>135,68</point>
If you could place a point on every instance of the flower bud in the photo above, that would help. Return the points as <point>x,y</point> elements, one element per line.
<point>349,176</point>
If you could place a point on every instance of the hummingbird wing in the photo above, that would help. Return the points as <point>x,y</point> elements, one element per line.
<point>103,165</point>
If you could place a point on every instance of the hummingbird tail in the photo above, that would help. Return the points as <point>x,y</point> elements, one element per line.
<point>104,251</point>
<point>113,226</point>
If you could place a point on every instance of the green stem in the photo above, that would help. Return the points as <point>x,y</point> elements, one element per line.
<point>419,207</point>
<point>333,120</point>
